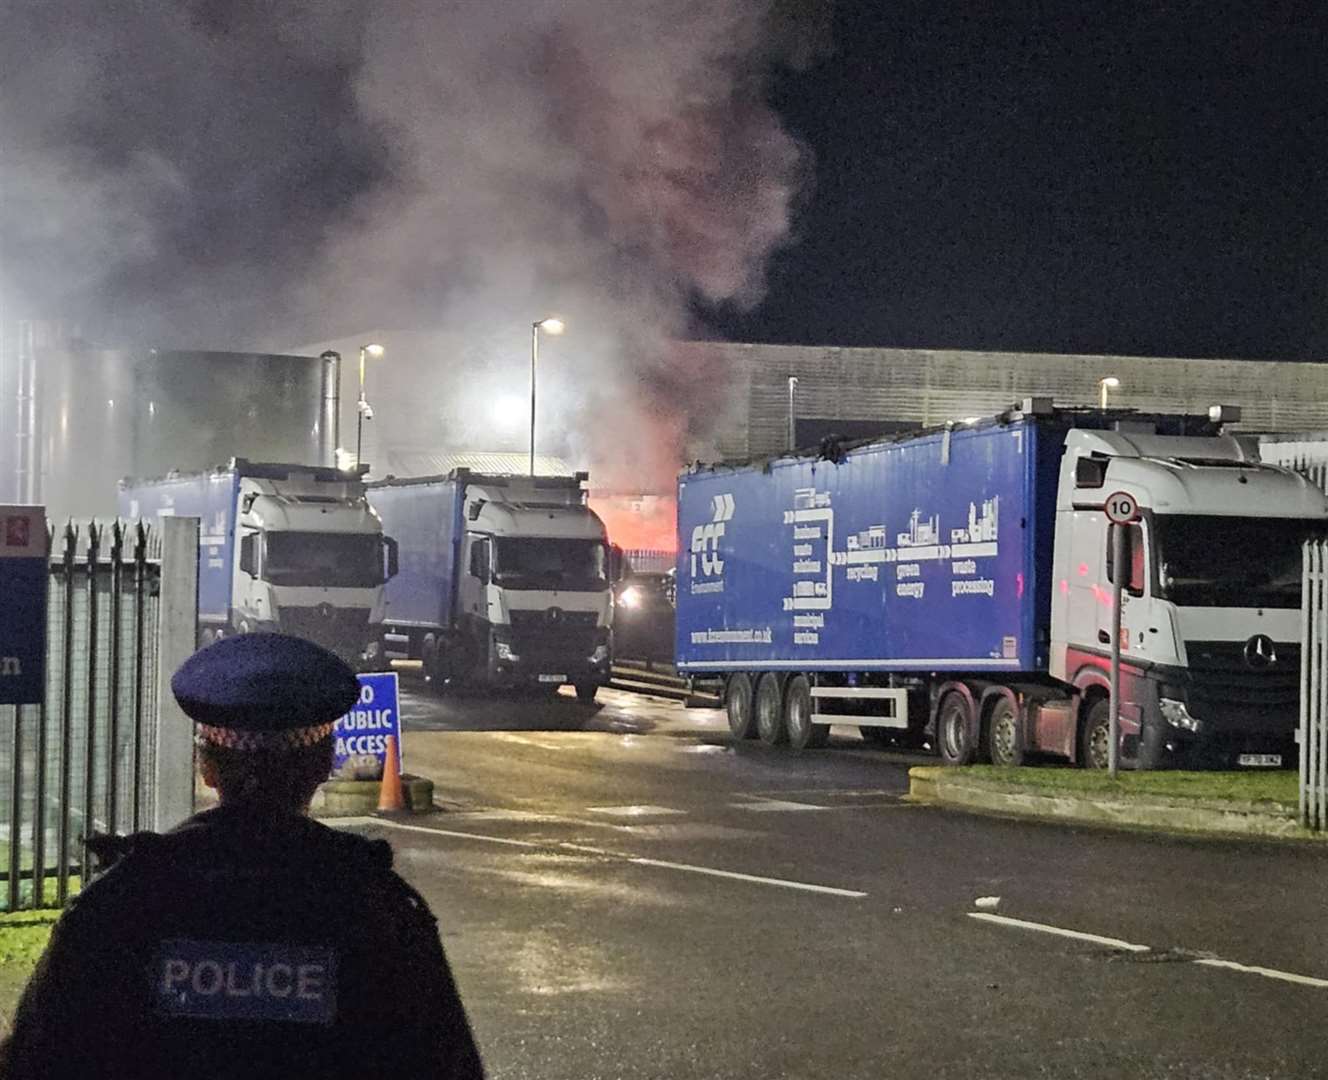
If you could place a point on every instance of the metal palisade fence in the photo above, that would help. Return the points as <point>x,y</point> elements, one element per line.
<point>1313,734</point>
<point>89,759</point>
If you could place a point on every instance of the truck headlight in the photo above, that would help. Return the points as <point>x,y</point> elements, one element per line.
<point>600,654</point>
<point>1177,715</point>
<point>505,651</point>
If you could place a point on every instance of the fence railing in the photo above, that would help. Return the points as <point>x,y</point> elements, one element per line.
<point>1313,733</point>
<point>650,560</point>
<point>89,759</point>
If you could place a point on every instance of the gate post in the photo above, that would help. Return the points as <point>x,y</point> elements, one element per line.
<point>177,633</point>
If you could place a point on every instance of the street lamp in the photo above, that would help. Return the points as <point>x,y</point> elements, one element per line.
<point>1109,383</point>
<point>550,325</point>
<point>362,408</point>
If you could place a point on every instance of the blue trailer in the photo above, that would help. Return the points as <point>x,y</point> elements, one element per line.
<point>952,587</point>
<point>504,580</point>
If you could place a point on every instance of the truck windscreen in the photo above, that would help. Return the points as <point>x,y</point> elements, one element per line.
<point>336,560</point>
<point>542,563</point>
<point>1210,561</point>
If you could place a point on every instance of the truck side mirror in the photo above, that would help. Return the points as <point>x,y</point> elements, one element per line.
<point>249,555</point>
<point>479,560</point>
<point>393,557</point>
<point>616,561</point>
<point>1130,574</point>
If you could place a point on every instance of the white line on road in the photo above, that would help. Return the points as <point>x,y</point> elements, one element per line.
<point>1078,935</point>
<point>635,811</point>
<point>1267,973</point>
<point>1128,946</point>
<point>826,890</point>
<point>733,875</point>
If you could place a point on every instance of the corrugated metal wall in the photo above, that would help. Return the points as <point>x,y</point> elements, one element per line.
<point>930,386</point>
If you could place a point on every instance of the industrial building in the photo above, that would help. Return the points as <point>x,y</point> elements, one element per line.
<point>860,392</point>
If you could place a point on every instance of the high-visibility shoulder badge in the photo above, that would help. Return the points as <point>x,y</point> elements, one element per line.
<point>230,980</point>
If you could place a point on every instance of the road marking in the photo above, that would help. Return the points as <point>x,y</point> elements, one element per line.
<point>769,805</point>
<point>1128,946</point>
<point>710,871</point>
<point>350,822</point>
<point>825,890</point>
<point>1267,973</point>
<point>635,811</point>
<point>1077,935</point>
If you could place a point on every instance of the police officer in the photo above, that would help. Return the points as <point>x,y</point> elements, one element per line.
<point>250,941</point>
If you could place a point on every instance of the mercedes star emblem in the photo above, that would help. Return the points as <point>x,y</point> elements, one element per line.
<point>1260,652</point>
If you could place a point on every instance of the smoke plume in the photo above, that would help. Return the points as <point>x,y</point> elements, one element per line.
<point>232,174</point>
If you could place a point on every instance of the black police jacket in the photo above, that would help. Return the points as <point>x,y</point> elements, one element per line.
<point>243,945</point>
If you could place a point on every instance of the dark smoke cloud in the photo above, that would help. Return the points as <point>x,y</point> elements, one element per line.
<point>241,173</point>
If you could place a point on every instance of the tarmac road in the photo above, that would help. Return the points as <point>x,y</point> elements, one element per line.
<point>642,898</point>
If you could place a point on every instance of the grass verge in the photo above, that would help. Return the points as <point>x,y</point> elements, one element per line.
<point>23,936</point>
<point>1278,787</point>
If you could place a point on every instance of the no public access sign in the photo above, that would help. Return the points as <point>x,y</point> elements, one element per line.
<point>360,737</point>
<point>23,578</point>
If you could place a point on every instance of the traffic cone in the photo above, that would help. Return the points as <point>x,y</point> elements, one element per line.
<point>391,799</point>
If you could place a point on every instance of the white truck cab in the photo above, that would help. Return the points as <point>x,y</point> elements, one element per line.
<point>1210,625</point>
<point>536,582</point>
<point>309,562</point>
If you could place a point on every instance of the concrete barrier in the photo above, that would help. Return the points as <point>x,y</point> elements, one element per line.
<point>356,798</point>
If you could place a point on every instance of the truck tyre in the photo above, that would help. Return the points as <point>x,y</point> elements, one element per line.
<point>802,733</point>
<point>586,691</point>
<point>738,704</point>
<point>432,662</point>
<point>954,730</point>
<point>1005,736</point>
<point>1095,735</point>
<point>769,709</point>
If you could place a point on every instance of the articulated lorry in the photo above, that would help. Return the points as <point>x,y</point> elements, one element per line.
<point>954,587</point>
<point>505,580</point>
<point>288,548</point>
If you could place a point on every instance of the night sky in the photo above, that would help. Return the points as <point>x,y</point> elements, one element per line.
<point>1078,178</point>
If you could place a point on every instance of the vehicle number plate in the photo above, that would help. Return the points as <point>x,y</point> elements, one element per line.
<point>553,678</point>
<point>1260,761</point>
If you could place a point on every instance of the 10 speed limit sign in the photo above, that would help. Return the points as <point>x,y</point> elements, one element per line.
<point>1121,507</point>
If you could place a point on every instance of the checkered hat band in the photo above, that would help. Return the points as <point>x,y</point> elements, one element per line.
<point>236,739</point>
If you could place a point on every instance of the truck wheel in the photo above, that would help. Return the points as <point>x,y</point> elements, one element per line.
<point>1005,743</point>
<point>1095,736</point>
<point>769,710</point>
<point>738,704</point>
<point>802,733</point>
<point>954,730</point>
<point>586,691</point>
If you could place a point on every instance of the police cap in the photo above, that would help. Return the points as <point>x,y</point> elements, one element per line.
<point>264,691</point>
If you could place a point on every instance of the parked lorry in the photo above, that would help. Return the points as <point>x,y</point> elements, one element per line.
<point>505,580</point>
<point>289,548</point>
<point>954,587</point>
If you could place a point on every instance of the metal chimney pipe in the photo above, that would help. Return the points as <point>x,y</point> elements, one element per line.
<point>27,482</point>
<point>329,427</point>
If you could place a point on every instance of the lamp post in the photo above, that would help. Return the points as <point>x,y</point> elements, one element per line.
<point>1109,383</point>
<point>550,325</point>
<point>793,413</point>
<point>362,410</point>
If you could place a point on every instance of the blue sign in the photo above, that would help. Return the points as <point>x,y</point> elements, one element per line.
<point>230,980</point>
<point>23,579</point>
<point>361,735</point>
